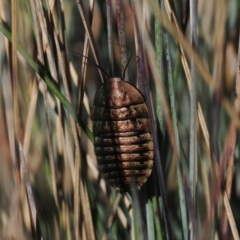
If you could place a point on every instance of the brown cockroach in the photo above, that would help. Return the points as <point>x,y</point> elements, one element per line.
<point>122,133</point>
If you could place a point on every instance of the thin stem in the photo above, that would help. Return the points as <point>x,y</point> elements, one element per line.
<point>121,35</point>
<point>109,35</point>
<point>193,139</point>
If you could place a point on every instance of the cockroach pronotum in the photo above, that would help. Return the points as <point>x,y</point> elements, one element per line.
<point>122,133</point>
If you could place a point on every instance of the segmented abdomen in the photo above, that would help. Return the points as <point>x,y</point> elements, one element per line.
<point>122,135</point>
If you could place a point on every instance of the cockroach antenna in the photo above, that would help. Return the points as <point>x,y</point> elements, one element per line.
<point>91,62</point>
<point>124,71</point>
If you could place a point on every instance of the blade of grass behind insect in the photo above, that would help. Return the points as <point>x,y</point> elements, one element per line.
<point>139,228</point>
<point>192,130</point>
<point>109,35</point>
<point>121,36</point>
<point>150,220</point>
<point>139,62</point>
<point>111,227</point>
<point>159,59</point>
<point>175,126</point>
<point>184,221</point>
<point>49,81</point>
<point>157,217</point>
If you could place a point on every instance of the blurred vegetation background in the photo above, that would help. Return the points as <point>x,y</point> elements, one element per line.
<point>185,62</point>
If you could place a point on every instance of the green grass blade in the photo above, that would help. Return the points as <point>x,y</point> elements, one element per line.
<point>159,59</point>
<point>175,126</point>
<point>150,220</point>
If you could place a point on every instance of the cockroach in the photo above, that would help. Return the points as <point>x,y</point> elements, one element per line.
<point>122,133</point>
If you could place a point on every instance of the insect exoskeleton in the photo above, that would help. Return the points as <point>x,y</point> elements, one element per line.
<point>122,134</point>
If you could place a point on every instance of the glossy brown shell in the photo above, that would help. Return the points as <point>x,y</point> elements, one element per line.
<point>122,134</point>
